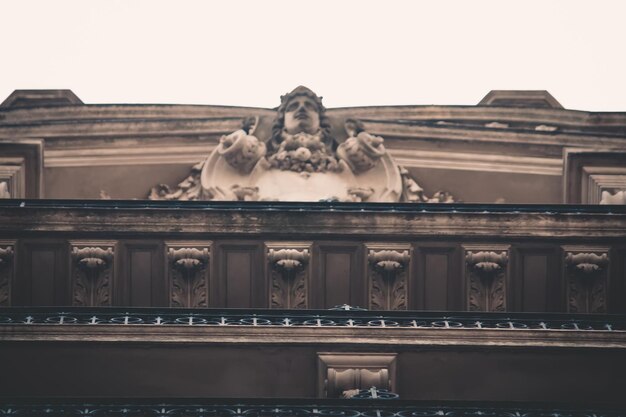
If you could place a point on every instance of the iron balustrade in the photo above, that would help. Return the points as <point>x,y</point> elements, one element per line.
<point>510,321</point>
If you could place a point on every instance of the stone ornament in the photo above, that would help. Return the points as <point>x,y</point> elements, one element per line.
<point>301,160</point>
<point>388,277</point>
<point>619,197</point>
<point>289,274</point>
<point>587,279</point>
<point>486,271</point>
<point>92,273</point>
<point>187,269</point>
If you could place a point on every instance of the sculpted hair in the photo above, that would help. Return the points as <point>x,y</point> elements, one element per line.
<point>279,123</point>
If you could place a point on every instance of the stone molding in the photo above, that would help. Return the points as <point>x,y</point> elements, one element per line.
<point>589,173</point>
<point>188,269</point>
<point>289,274</point>
<point>486,276</point>
<point>339,373</point>
<point>92,277</point>
<point>587,278</point>
<point>21,167</point>
<point>520,98</point>
<point>7,271</point>
<point>388,270</point>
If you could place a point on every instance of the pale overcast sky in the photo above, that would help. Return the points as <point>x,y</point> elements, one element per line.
<point>354,53</point>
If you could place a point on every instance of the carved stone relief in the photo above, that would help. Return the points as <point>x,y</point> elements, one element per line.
<point>486,276</point>
<point>388,271</point>
<point>289,272</point>
<point>7,270</point>
<point>616,198</point>
<point>339,374</point>
<point>188,273</point>
<point>300,158</point>
<point>587,279</point>
<point>92,272</point>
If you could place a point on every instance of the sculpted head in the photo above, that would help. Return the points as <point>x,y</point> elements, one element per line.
<point>300,111</point>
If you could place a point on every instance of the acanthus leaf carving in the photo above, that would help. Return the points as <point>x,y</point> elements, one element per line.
<point>486,278</point>
<point>92,273</point>
<point>388,277</point>
<point>289,275</point>
<point>7,255</point>
<point>587,279</point>
<point>188,272</point>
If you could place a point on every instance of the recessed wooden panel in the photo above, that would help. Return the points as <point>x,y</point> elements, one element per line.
<point>536,280</point>
<point>43,276</point>
<point>241,282</point>
<point>340,280</point>
<point>143,282</point>
<point>438,279</point>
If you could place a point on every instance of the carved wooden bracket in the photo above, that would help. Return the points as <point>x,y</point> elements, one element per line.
<point>388,267</point>
<point>587,279</point>
<point>340,373</point>
<point>7,270</point>
<point>188,273</point>
<point>92,272</point>
<point>289,273</point>
<point>486,275</point>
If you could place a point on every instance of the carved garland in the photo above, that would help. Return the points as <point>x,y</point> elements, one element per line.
<point>188,272</point>
<point>289,277</point>
<point>388,279</point>
<point>6,273</point>
<point>486,279</point>
<point>92,274</point>
<point>587,280</point>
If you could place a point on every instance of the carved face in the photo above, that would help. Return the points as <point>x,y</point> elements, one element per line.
<point>302,115</point>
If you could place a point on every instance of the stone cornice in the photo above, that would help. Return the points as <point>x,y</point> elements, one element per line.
<point>401,220</point>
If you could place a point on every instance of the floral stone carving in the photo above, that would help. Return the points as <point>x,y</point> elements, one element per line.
<point>289,275</point>
<point>301,160</point>
<point>486,272</point>
<point>587,279</point>
<point>188,275</point>
<point>7,255</point>
<point>388,288</point>
<point>92,273</point>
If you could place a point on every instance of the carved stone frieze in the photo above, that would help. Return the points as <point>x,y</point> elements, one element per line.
<point>586,271</point>
<point>486,276</point>
<point>92,272</point>
<point>7,270</point>
<point>289,272</point>
<point>388,267</point>
<point>339,374</point>
<point>188,273</point>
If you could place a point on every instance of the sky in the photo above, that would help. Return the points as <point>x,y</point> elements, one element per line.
<point>354,53</point>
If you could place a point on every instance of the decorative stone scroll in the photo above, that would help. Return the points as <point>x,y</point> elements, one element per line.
<point>587,278</point>
<point>300,155</point>
<point>486,276</point>
<point>340,374</point>
<point>7,271</point>
<point>188,273</point>
<point>92,272</point>
<point>388,266</point>
<point>289,272</point>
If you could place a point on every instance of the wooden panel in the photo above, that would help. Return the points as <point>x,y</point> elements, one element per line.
<point>340,280</point>
<point>43,275</point>
<point>535,283</point>
<point>240,282</point>
<point>143,276</point>
<point>438,279</point>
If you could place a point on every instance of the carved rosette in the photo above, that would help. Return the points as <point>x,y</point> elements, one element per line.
<point>586,271</point>
<point>7,269</point>
<point>289,274</point>
<point>486,275</point>
<point>188,273</point>
<point>92,273</point>
<point>387,267</point>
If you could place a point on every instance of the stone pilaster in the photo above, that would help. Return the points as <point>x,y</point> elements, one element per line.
<point>188,266</point>
<point>486,277</point>
<point>388,271</point>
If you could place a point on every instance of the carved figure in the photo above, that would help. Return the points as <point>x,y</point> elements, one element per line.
<point>302,160</point>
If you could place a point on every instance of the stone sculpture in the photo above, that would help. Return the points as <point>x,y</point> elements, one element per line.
<point>300,161</point>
